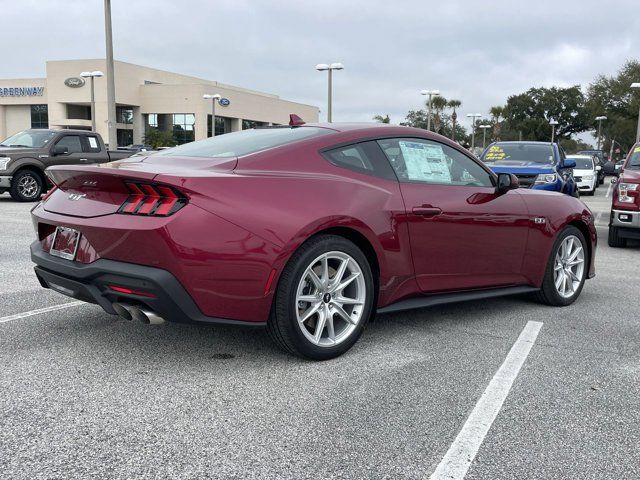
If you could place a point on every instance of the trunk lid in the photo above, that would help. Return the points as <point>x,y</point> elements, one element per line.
<point>97,190</point>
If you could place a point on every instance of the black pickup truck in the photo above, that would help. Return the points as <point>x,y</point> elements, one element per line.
<point>25,155</point>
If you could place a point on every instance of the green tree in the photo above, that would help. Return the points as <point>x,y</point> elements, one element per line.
<point>613,97</point>
<point>453,104</point>
<point>438,104</point>
<point>530,112</point>
<point>381,119</point>
<point>158,138</point>
<point>418,119</point>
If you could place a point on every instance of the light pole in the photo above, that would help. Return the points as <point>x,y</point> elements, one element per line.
<point>599,119</point>
<point>431,93</point>
<point>92,75</point>
<point>329,67</point>
<point>484,135</point>
<point>214,98</point>
<point>553,124</point>
<point>637,85</point>
<point>111,85</point>
<point>473,117</point>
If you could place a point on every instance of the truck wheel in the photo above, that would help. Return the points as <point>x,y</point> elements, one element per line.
<point>324,299</point>
<point>26,186</point>
<point>615,240</point>
<point>567,269</point>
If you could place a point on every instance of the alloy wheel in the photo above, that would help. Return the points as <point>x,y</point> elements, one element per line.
<point>569,266</point>
<point>28,186</point>
<point>330,299</point>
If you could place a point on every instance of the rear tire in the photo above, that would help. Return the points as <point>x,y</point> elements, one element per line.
<point>26,186</point>
<point>313,315</point>
<point>567,269</point>
<point>614,239</point>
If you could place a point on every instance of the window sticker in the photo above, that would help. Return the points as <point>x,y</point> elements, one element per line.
<point>495,153</point>
<point>425,162</point>
<point>93,142</point>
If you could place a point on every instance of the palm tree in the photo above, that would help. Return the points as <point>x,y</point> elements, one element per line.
<point>496,113</point>
<point>381,119</point>
<point>453,104</point>
<point>438,104</point>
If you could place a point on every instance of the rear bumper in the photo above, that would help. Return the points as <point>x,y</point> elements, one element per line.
<point>90,283</point>
<point>625,219</point>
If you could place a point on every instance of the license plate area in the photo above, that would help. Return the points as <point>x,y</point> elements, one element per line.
<point>65,243</point>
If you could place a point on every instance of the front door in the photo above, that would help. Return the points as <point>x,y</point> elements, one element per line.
<point>463,234</point>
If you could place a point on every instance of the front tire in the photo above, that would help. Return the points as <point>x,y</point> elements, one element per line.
<point>566,269</point>
<point>614,239</point>
<point>26,186</point>
<point>324,299</point>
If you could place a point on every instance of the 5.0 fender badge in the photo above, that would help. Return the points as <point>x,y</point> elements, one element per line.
<point>74,197</point>
<point>539,220</point>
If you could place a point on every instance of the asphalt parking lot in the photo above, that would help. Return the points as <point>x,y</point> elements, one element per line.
<point>86,395</point>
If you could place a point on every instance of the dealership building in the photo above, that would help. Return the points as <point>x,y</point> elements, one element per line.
<point>145,98</point>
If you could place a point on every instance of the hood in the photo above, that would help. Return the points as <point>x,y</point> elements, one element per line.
<point>9,150</point>
<point>630,175</point>
<point>521,168</point>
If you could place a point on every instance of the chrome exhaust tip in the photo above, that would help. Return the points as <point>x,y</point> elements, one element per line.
<point>146,316</point>
<point>122,310</point>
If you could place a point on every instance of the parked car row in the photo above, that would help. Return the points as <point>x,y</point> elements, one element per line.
<point>309,230</point>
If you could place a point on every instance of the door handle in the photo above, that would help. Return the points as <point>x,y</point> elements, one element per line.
<point>426,211</point>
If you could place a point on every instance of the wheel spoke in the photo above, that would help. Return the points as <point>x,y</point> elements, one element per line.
<point>325,271</point>
<point>345,316</point>
<point>575,254</point>
<point>308,298</point>
<point>310,311</point>
<point>348,301</point>
<point>346,283</point>
<point>331,332</point>
<point>572,275</point>
<point>315,279</point>
<point>340,273</point>
<point>322,320</point>
<point>559,280</point>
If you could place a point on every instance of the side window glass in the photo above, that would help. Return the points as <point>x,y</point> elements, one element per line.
<point>418,160</point>
<point>92,145</point>
<point>364,157</point>
<point>72,142</point>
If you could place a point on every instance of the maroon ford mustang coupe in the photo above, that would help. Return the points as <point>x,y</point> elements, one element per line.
<point>307,230</point>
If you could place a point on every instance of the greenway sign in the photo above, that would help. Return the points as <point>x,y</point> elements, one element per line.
<point>21,91</point>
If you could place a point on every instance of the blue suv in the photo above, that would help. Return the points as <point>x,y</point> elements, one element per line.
<point>538,165</point>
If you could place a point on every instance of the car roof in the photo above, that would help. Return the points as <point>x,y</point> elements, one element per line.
<point>521,142</point>
<point>579,155</point>
<point>56,130</point>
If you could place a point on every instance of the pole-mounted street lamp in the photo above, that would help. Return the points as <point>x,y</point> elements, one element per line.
<point>600,119</point>
<point>329,67</point>
<point>214,98</point>
<point>553,124</point>
<point>473,117</point>
<point>637,85</point>
<point>484,135</point>
<point>431,94</point>
<point>92,75</point>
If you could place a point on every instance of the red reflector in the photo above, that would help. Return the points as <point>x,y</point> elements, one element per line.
<point>130,291</point>
<point>152,200</point>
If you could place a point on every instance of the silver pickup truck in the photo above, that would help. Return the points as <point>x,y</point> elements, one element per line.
<point>25,155</point>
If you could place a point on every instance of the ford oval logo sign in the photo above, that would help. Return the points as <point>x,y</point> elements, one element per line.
<point>74,82</point>
<point>224,102</point>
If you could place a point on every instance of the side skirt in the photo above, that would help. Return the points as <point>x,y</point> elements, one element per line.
<point>440,299</point>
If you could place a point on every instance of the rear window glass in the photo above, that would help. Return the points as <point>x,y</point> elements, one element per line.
<point>582,163</point>
<point>237,144</point>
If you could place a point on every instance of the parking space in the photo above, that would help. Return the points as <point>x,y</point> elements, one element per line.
<point>83,394</point>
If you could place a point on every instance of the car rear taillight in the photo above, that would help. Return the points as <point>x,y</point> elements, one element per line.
<point>152,200</point>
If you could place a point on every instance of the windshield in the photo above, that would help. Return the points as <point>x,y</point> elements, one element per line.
<point>634,159</point>
<point>29,138</point>
<point>237,144</point>
<point>519,152</point>
<point>582,163</point>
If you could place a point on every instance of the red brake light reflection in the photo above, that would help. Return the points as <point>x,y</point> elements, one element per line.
<point>152,200</point>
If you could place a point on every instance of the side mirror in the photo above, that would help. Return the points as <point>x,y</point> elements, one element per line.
<point>598,168</point>
<point>506,182</point>
<point>568,163</point>
<point>60,150</point>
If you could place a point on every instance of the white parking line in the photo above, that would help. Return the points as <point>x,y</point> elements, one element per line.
<point>464,448</point>
<point>31,313</point>
<point>609,190</point>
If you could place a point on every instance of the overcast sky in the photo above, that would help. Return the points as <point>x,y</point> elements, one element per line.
<point>479,52</point>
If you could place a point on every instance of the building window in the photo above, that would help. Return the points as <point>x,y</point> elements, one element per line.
<point>152,120</point>
<point>221,123</point>
<point>124,115</point>
<point>247,124</point>
<point>39,116</point>
<point>124,137</point>
<point>183,127</point>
